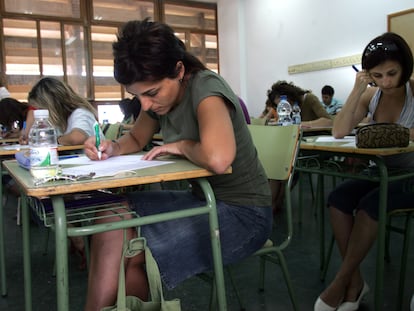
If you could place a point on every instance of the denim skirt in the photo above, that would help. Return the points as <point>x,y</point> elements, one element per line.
<point>182,247</point>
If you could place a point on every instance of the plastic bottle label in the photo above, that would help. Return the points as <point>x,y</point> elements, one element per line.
<point>43,162</point>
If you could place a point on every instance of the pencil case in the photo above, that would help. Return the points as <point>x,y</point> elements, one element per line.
<point>382,135</point>
<point>23,158</point>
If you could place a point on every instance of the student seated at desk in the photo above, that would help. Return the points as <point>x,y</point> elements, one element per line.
<point>12,117</point>
<point>131,109</point>
<point>387,63</point>
<point>270,113</point>
<point>331,104</point>
<point>313,114</point>
<point>201,120</point>
<point>73,118</point>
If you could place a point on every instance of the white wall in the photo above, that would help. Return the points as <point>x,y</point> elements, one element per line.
<point>259,39</point>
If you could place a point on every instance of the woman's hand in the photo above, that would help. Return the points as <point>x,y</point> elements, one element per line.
<point>172,148</point>
<point>106,148</point>
<point>23,140</point>
<point>362,80</point>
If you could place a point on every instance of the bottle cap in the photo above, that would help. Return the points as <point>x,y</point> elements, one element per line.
<point>41,113</point>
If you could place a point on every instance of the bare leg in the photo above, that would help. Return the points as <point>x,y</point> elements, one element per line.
<point>106,250</point>
<point>278,194</point>
<point>354,245</point>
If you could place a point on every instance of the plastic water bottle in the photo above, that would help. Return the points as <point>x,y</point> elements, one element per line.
<point>284,110</point>
<point>296,118</point>
<point>44,159</point>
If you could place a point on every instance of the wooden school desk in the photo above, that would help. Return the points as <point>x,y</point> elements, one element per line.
<point>179,169</point>
<point>346,148</point>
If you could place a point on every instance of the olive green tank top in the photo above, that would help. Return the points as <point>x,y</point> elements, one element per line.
<point>247,185</point>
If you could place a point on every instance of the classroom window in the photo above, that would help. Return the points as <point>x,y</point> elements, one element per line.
<point>72,40</point>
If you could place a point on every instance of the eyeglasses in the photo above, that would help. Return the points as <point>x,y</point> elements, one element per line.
<point>381,46</point>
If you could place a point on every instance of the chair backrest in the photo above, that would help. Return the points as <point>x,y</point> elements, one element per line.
<point>257,121</point>
<point>112,131</point>
<point>277,148</point>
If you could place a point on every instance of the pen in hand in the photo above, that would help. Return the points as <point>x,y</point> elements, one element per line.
<point>357,70</point>
<point>97,139</point>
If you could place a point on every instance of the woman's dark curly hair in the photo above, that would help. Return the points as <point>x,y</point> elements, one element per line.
<point>389,46</point>
<point>293,92</point>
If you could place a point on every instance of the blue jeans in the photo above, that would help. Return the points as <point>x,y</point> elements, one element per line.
<point>182,247</point>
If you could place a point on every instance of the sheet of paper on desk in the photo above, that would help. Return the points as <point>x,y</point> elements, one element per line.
<point>110,167</point>
<point>347,140</point>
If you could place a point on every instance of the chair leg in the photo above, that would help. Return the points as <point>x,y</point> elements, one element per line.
<point>404,255</point>
<point>213,292</point>
<point>311,187</point>
<point>18,211</point>
<point>280,260</point>
<point>213,296</point>
<point>388,227</point>
<point>262,270</point>
<point>233,284</point>
<point>288,281</point>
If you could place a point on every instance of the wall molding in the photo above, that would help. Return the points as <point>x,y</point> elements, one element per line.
<point>325,64</point>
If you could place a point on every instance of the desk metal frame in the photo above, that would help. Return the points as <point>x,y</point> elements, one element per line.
<point>7,153</point>
<point>179,170</point>
<point>384,177</point>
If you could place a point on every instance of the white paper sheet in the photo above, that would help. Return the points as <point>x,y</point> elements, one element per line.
<point>333,139</point>
<point>124,164</point>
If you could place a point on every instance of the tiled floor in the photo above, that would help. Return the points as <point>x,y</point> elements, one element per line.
<point>302,256</point>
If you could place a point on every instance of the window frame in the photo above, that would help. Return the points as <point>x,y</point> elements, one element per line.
<point>86,22</point>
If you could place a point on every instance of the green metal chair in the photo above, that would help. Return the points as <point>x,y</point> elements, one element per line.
<point>277,148</point>
<point>112,131</point>
<point>257,121</point>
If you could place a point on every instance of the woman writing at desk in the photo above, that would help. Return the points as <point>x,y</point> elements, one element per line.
<point>71,115</point>
<point>387,63</point>
<point>201,119</point>
<point>73,118</point>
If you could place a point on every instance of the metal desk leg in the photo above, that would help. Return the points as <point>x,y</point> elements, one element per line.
<point>26,253</point>
<point>379,281</point>
<point>300,195</point>
<point>320,201</point>
<point>2,252</point>
<point>62,278</point>
<point>215,244</point>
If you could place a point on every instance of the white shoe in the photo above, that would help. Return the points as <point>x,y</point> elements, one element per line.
<point>321,305</point>
<point>352,306</point>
